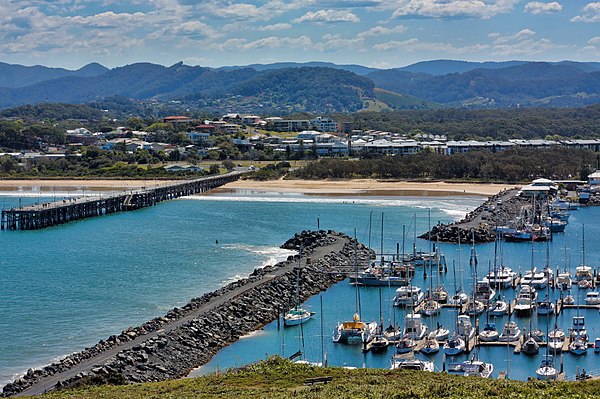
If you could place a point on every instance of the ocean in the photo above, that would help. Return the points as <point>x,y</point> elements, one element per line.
<point>63,289</point>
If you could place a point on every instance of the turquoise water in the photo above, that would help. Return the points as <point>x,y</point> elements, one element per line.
<point>65,288</point>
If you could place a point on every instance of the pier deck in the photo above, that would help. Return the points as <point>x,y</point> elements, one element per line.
<point>51,214</point>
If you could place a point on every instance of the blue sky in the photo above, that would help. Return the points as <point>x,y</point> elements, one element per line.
<point>72,33</point>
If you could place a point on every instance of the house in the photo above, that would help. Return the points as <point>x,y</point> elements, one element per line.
<point>291,125</point>
<point>323,124</point>
<point>199,137</point>
<point>205,128</point>
<point>594,178</point>
<point>175,119</point>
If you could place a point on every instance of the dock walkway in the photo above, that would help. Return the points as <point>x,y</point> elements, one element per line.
<point>51,214</point>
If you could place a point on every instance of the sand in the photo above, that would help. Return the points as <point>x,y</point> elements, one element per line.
<point>322,187</point>
<point>368,187</point>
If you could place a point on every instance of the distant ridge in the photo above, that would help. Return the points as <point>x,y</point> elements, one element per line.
<point>444,67</point>
<point>357,69</point>
<point>12,75</point>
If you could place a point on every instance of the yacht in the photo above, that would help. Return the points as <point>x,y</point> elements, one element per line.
<point>354,331</point>
<point>498,308</point>
<point>406,344</point>
<point>578,346</point>
<point>476,367</point>
<point>378,344</point>
<point>578,328</point>
<point>409,295</point>
<point>592,298</point>
<point>431,344</point>
<point>530,346</point>
<point>440,295</point>
<point>545,307</point>
<point>547,371</point>
<point>430,307</point>
<point>464,328</point>
<point>525,303</point>
<point>454,346</point>
<point>484,292</point>
<point>568,300</point>
<point>458,299</point>
<point>597,345</point>
<point>411,363</point>
<point>555,344</point>
<point>583,272</point>
<point>510,333</point>
<point>475,307</point>
<point>539,280</point>
<point>564,281</point>
<point>441,333</point>
<point>503,277</point>
<point>414,327</point>
<point>297,316</point>
<point>392,333</point>
<point>489,333</point>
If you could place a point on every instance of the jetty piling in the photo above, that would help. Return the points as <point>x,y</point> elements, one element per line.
<point>51,214</point>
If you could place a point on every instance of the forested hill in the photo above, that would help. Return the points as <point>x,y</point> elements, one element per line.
<point>284,88</point>
<point>533,84</point>
<point>303,89</point>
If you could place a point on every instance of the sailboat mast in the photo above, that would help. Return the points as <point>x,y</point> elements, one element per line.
<point>381,238</point>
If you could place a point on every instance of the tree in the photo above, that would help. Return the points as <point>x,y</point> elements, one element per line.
<point>213,169</point>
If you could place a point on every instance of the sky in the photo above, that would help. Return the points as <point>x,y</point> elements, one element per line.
<point>374,33</point>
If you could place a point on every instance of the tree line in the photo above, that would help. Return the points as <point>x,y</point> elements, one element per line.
<point>513,165</point>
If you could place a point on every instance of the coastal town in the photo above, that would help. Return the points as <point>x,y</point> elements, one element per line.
<point>274,138</point>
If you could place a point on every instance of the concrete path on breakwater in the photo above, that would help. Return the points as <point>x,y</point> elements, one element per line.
<point>48,383</point>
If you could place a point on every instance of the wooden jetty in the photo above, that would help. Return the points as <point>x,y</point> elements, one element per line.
<point>50,214</point>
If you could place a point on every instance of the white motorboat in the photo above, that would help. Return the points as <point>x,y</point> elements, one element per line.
<point>478,368</point>
<point>547,371</point>
<point>464,328</point>
<point>525,303</point>
<point>555,345</point>
<point>503,277</point>
<point>597,345</point>
<point>409,295</point>
<point>411,363</point>
<point>440,295</point>
<point>414,327</point>
<point>355,331</point>
<point>489,333</point>
<point>564,281</point>
<point>592,298</point>
<point>510,332</point>
<point>578,328</point>
<point>539,280</point>
<point>578,346</point>
<point>498,308</point>
<point>528,277</point>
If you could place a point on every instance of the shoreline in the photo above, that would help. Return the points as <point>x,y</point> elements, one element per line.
<point>308,187</point>
<point>368,187</point>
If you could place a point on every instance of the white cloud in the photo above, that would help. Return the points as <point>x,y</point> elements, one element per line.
<point>328,16</point>
<point>520,35</point>
<point>381,31</point>
<point>275,27</point>
<point>537,7</point>
<point>452,8</point>
<point>590,13</point>
<point>594,40</point>
<point>237,44</point>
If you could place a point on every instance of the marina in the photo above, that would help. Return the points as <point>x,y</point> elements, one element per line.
<point>339,300</point>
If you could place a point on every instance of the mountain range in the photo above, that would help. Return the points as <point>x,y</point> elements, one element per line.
<point>317,87</point>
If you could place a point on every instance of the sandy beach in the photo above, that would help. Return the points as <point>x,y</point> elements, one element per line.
<point>368,187</point>
<point>316,187</point>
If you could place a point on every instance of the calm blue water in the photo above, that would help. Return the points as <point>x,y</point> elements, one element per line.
<point>65,288</point>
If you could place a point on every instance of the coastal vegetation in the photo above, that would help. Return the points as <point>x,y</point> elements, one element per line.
<point>280,378</point>
<point>513,165</point>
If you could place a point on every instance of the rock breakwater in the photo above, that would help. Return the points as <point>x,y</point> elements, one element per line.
<point>172,345</point>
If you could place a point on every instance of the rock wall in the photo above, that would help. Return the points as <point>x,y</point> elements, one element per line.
<point>175,353</point>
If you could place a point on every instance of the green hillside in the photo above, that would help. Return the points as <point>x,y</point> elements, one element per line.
<point>277,378</point>
<point>402,101</point>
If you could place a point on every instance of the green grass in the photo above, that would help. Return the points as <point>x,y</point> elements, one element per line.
<point>278,378</point>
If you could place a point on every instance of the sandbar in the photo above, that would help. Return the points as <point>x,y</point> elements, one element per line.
<point>368,187</point>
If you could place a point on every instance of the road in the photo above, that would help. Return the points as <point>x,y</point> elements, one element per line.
<point>48,383</point>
